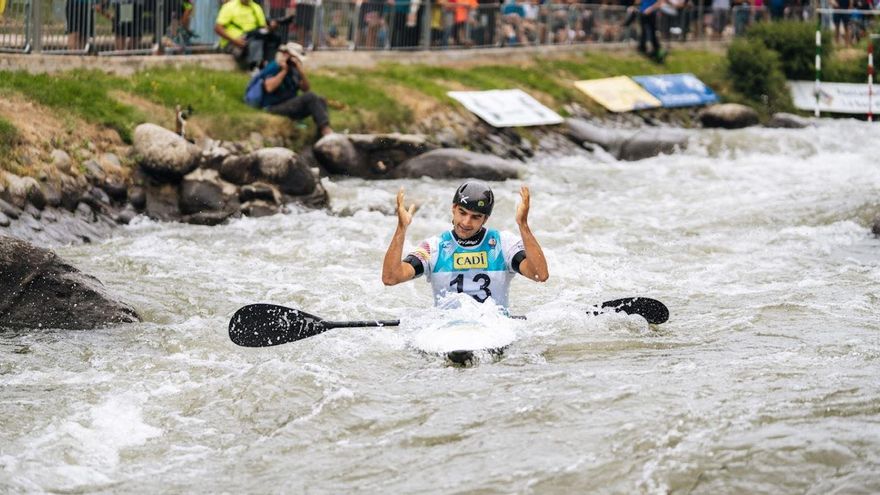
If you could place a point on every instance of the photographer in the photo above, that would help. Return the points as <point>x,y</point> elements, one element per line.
<point>242,27</point>
<point>283,78</point>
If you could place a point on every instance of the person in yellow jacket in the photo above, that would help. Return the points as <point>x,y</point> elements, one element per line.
<point>244,32</point>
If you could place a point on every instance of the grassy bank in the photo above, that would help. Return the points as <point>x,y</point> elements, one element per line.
<point>383,99</point>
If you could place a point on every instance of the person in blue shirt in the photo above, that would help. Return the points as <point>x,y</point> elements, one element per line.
<point>287,90</point>
<point>648,24</point>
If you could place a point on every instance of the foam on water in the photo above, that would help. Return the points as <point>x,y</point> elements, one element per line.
<point>461,323</point>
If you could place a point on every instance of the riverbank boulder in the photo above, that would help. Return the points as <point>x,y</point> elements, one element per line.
<point>371,156</point>
<point>449,163</point>
<point>203,190</point>
<point>627,144</point>
<point>784,120</point>
<point>163,154</point>
<point>728,116</point>
<point>40,290</point>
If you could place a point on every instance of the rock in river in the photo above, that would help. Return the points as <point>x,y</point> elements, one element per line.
<point>40,290</point>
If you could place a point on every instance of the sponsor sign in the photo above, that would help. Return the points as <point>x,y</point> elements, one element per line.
<point>618,94</point>
<point>678,90</point>
<point>506,107</point>
<point>467,261</point>
<point>833,97</point>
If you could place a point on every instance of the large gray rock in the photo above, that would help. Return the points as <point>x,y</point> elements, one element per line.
<point>15,192</point>
<point>275,165</point>
<point>336,153</point>
<point>788,121</point>
<point>163,154</point>
<point>627,144</point>
<point>368,155</point>
<point>71,190</point>
<point>203,190</point>
<point>239,169</point>
<point>162,202</point>
<point>280,166</point>
<point>9,210</point>
<point>39,290</point>
<point>457,164</point>
<point>61,161</point>
<point>728,116</point>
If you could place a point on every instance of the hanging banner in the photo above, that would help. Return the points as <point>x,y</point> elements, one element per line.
<point>678,90</point>
<point>506,107</point>
<point>618,94</point>
<point>833,97</point>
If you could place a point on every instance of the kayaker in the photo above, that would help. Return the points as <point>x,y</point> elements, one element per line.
<point>468,258</point>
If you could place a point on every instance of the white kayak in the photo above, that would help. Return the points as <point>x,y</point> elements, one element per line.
<point>463,341</point>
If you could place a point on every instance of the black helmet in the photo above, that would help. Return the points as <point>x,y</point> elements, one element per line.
<point>475,196</point>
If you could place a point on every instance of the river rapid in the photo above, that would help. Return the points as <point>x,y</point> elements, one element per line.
<point>766,378</point>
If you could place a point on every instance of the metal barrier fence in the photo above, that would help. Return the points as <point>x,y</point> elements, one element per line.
<point>115,27</point>
<point>102,27</point>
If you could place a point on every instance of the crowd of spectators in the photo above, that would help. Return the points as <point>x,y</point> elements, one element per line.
<point>403,24</point>
<point>439,24</point>
<point>135,24</point>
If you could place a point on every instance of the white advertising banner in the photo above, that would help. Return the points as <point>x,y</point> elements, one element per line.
<point>833,97</point>
<point>506,107</point>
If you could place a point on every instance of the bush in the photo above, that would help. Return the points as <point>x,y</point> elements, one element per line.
<point>757,73</point>
<point>8,135</point>
<point>795,42</point>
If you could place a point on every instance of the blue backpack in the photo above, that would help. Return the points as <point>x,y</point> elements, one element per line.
<point>253,94</point>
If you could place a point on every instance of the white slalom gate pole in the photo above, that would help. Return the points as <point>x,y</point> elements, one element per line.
<point>871,76</point>
<point>818,62</point>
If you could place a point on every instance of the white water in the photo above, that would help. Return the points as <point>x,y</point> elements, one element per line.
<point>765,379</point>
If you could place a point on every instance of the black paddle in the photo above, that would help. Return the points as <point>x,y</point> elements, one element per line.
<point>264,325</point>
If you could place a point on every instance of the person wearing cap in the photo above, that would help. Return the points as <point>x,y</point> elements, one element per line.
<point>244,32</point>
<point>287,89</point>
<point>469,258</point>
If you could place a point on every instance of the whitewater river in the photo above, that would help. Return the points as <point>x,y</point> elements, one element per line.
<point>766,378</point>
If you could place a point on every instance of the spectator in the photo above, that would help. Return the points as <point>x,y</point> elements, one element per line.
<point>487,13</point>
<point>758,10</point>
<point>513,16</point>
<point>841,19</point>
<point>242,27</point>
<point>80,26</point>
<point>648,25</point>
<point>463,15</point>
<point>287,90</point>
<point>128,22</point>
<point>777,10</point>
<point>371,23</point>
<point>741,14</point>
<point>439,36</point>
<point>406,23</point>
<point>337,34</point>
<point>720,17</point>
<point>303,20</point>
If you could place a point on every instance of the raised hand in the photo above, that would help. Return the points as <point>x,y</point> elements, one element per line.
<point>522,209</point>
<point>404,215</point>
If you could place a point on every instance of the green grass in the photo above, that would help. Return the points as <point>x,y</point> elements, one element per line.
<point>8,140</point>
<point>361,100</point>
<point>83,93</point>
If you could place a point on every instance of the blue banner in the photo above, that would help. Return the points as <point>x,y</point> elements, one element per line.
<point>677,90</point>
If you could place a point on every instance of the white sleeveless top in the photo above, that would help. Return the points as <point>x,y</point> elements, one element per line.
<point>483,271</point>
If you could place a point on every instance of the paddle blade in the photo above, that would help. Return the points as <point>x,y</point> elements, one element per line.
<point>650,309</point>
<point>264,325</point>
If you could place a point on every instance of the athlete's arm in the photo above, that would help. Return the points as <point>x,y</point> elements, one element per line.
<point>534,267</point>
<point>395,271</point>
